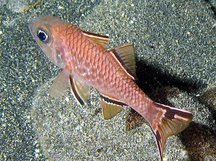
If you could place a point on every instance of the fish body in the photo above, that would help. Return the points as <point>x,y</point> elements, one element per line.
<point>85,63</point>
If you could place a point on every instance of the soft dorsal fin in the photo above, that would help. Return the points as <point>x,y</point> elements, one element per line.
<point>110,107</point>
<point>99,39</point>
<point>125,54</point>
<point>80,90</point>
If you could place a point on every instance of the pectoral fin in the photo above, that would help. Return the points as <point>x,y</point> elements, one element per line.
<point>99,39</point>
<point>59,85</point>
<point>80,90</point>
<point>110,107</point>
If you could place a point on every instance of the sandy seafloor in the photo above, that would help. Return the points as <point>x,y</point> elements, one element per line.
<point>175,45</point>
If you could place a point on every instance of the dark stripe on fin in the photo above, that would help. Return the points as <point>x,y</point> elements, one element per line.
<point>74,92</point>
<point>168,121</point>
<point>80,90</point>
<point>108,99</point>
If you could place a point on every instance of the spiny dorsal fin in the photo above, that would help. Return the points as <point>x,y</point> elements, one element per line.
<point>80,90</point>
<point>125,54</point>
<point>99,39</point>
<point>110,107</point>
<point>60,84</point>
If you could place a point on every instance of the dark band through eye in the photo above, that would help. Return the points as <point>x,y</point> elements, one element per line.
<point>42,35</point>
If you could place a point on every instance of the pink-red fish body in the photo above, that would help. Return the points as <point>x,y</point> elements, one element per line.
<point>86,63</point>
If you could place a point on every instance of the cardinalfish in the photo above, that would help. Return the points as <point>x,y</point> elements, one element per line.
<point>86,63</point>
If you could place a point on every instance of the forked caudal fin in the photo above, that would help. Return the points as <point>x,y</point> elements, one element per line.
<point>169,121</point>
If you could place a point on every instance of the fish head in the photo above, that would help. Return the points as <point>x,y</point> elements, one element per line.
<point>47,32</point>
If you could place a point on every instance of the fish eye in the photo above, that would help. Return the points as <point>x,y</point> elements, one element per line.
<point>43,36</point>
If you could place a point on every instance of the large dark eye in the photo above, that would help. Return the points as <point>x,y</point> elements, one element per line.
<point>43,36</point>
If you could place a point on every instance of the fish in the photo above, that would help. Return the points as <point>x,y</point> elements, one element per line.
<point>86,63</point>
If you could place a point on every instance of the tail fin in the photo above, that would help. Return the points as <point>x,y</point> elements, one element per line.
<point>168,121</point>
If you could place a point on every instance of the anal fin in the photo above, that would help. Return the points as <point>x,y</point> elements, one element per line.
<point>110,107</point>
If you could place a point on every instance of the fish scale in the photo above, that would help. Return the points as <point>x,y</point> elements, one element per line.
<point>106,70</point>
<point>86,63</point>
